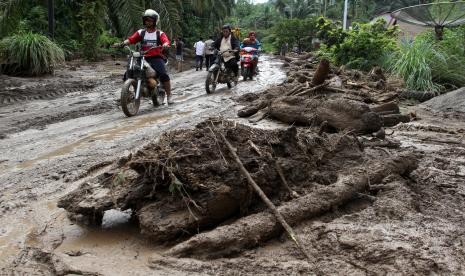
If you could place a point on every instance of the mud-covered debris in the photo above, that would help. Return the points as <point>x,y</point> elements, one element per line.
<point>331,95</point>
<point>257,228</point>
<point>188,182</point>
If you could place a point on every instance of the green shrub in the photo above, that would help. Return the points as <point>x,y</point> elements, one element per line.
<point>412,63</point>
<point>29,54</point>
<point>71,47</point>
<point>91,23</point>
<point>428,64</point>
<point>296,32</point>
<point>329,32</point>
<point>364,46</point>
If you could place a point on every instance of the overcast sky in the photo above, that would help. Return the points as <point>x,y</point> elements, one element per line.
<point>259,1</point>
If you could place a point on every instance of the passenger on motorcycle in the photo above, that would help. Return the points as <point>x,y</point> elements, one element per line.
<point>150,37</point>
<point>229,42</point>
<point>252,41</point>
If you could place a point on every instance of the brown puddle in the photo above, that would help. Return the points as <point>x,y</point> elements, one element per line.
<point>103,135</point>
<point>107,251</point>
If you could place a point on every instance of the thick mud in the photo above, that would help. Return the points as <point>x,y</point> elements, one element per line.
<point>408,222</point>
<point>39,164</point>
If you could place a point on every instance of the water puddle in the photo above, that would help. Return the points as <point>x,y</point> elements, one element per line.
<point>108,134</point>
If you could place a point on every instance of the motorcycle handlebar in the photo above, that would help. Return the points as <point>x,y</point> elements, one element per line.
<point>143,52</point>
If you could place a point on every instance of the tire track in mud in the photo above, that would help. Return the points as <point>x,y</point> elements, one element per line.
<point>40,165</point>
<point>74,103</point>
<point>48,91</point>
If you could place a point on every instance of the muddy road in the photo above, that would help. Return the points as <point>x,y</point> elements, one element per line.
<point>66,128</point>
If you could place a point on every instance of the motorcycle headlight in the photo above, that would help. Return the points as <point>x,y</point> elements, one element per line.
<point>136,54</point>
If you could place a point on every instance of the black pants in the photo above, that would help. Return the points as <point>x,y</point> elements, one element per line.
<point>198,62</point>
<point>232,65</point>
<point>209,60</point>
<point>158,64</point>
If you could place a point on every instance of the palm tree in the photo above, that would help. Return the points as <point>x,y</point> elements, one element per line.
<point>125,15</point>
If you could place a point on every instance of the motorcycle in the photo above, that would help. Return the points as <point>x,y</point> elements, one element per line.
<point>219,73</point>
<point>136,85</point>
<point>248,63</point>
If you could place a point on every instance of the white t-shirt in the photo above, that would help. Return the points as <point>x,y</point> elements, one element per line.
<point>199,48</point>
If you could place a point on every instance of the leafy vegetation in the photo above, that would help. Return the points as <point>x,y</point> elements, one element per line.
<point>29,53</point>
<point>83,27</point>
<point>90,19</point>
<point>364,45</point>
<point>428,64</point>
<point>412,63</point>
<point>86,28</point>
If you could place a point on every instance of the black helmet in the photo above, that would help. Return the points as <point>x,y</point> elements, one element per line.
<point>226,26</point>
<point>151,14</point>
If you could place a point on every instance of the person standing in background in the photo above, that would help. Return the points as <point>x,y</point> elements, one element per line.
<point>284,49</point>
<point>199,53</point>
<point>179,53</point>
<point>209,52</point>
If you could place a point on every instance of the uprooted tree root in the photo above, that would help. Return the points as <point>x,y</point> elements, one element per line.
<point>188,182</point>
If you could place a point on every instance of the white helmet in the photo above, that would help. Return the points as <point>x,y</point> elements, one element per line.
<point>151,14</point>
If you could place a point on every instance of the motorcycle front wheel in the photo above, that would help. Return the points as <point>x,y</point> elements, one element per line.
<point>247,73</point>
<point>129,104</point>
<point>210,83</point>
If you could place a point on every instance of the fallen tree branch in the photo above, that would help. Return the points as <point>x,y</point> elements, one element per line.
<point>252,230</point>
<point>349,91</point>
<point>295,89</point>
<point>308,91</point>
<point>394,119</point>
<point>265,199</point>
<point>292,193</point>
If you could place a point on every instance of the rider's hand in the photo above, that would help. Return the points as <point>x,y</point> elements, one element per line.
<point>166,46</point>
<point>118,45</point>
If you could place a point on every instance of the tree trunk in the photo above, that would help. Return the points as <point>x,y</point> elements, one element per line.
<point>252,230</point>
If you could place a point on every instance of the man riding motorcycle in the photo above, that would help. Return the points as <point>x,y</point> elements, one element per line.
<point>252,41</point>
<point>229,42</point>
<point>150,37</point>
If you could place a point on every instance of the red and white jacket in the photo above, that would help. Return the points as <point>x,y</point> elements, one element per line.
<point>150,40</point>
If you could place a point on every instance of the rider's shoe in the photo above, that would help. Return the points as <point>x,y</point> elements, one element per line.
<point>169,99</point>
<point>236,80</point>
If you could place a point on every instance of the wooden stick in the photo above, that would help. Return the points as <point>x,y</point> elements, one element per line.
<point>265,199</point>
<point>254,147</point>
<point>294,89</point>
<point>312,89</point>
<point>283,179</point>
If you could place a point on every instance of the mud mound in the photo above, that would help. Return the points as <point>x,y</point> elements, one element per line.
<point>188,182</point>
<point>453,101</point>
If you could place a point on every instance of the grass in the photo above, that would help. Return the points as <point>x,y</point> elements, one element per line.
<point>429,65</point>
<point>29,54</point>
<point>412,63</point>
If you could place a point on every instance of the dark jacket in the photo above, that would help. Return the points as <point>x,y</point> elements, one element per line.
<point>234,44</point>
